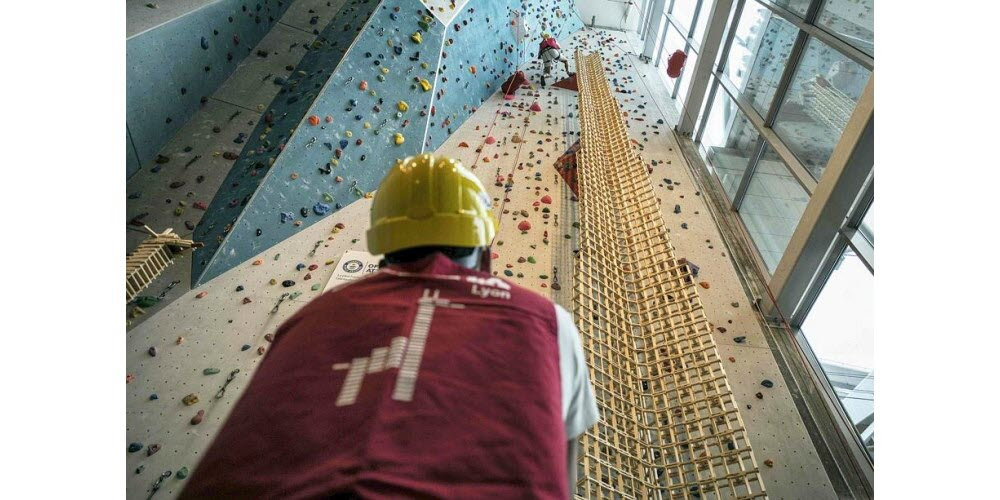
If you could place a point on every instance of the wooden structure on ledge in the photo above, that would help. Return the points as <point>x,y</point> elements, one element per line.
<point>670,427</point>
<point>151,258</point>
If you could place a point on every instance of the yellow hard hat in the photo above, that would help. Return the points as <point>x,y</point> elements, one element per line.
<point>429,200</point>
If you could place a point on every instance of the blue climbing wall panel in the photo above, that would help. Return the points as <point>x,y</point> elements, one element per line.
<point>481,36</point>
<point>170,68</point>
<point>325,142</point>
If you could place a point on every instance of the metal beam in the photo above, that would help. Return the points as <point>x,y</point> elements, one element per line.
<point>714,33</point>
<point>650,46</point>
<point>807,261</point>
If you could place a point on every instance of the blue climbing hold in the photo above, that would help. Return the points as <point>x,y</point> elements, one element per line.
<point>300,267</point>
<point>286,217</point>
<point>153,397</point>
<point>239,288</point>
<point>344,143</point>
<point>134,447</point>
<point>321,208</point>
<point>204,43</point>
<point>245,347</point>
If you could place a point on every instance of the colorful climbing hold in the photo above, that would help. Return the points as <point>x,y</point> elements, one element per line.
<point>314,120</point>
<point>190,399</point>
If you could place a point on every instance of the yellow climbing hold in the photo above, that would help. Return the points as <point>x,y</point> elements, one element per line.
<point>416,37</point>
<point>424,65</point>
<point>402,106</point>
<point>349,134</point>
<point>385,71</point>
<point>399,138</point>
<point>368,125</point>
<point>425,85</point>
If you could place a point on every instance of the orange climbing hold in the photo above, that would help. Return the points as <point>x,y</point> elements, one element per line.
<point>463,144</point>
<point>258,262</point>
<point>705,285</point>
<point>314,120</point>
<point>201,295</point>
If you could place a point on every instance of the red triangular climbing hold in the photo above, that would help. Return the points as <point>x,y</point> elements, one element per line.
<point>567,83</point>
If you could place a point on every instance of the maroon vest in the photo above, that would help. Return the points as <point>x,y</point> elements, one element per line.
<point>421,381</point>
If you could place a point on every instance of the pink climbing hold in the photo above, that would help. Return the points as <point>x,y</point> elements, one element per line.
<point>546,200</point>
<point>524,225</point>
<point>508,97</point>
<point>491,140</point>
<point>200,205</point>
<point>535,107</point>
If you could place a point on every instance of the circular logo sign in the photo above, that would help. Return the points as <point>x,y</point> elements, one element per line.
<point>353,266</point>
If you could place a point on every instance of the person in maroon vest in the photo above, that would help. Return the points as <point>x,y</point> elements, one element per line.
<point>431,378</point>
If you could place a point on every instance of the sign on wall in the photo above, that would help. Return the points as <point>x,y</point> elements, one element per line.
<point>353,265</point>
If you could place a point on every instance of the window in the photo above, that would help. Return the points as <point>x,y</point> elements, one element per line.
<point>820,100</point>
<point>853,21</point>
<point>763,42</point>
<point>772,207</point>
<point>683,11</point>
<point>702,23</point>
<point>840,331</point>
<point>729,142</point>
<point>795,6</point>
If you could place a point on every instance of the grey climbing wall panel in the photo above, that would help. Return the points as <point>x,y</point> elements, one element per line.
<point>172,67</point>
<point>327,139</point>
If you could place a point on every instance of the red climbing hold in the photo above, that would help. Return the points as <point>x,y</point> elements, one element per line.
<point>200,205</point>
<point>463,144</point>
<point>546,200</point>
<point>246,300</point>
<point>314,120</point>
<point>676,63</point>
<point>340,225</point>
<point>491,140</point>
<point>535,107</point>
<point>524,225</point>
<point>313,267</point>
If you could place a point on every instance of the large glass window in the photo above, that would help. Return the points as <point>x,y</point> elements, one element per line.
<point>840,330</point>
<point>820,100</point>
<point>853,21</point>
<point>729,142</point>
<point>683,10</point>
<point>796,6</point>
<point>772,207</point>
<point>759,53</point>
<point>702,23</point>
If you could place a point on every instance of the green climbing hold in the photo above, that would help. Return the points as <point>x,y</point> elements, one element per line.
<point>146,301</point>
<point>520,275</point>
<point>500,243</point>
<point>315,287</point>
<point>576,225</point>
<point>210,371</point>
<point>567,236</point>
<point>294,295</point>
<point>355,240</point>
<point>543,276</point>
<point>277,256</point>
<point>531,260</point>
<point>508,272</point>
<point>182,473</point>
<point>327,198</point>
<point>179,211</point>
<point>545,210</point>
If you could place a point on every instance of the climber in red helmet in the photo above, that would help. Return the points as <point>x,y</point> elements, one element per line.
<point>431,378</point>
<point>548,51</point>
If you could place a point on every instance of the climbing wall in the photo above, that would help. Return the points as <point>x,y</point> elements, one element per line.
<point>172,67</point>
<point>444,10</point>
<point>330,137</point>
<point>481,49</point>
<point>225,328</point>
